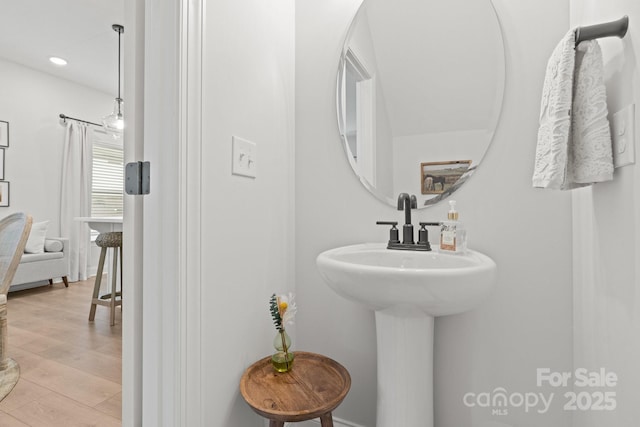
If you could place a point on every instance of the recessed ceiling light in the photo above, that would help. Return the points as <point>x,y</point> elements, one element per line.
<point>58,61</point>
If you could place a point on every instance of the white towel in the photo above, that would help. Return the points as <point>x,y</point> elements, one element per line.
<point>590,151</point>
<point>574,142</point>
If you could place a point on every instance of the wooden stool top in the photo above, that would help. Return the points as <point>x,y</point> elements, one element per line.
<point>315,386</point>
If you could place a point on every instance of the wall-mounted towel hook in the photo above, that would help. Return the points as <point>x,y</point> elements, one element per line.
<point>608,29</point>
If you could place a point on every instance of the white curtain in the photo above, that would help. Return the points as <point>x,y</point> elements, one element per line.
<point>76,196</point>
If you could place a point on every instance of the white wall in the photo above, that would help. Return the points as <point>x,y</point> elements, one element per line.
<point>31,102</point>
<point>528,322</point>
<point>247,224</point>
<point>607,237</point>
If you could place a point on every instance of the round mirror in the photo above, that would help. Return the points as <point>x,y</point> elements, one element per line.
<point>420,88</point>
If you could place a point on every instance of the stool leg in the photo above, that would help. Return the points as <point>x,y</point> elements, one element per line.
<point>273,423</point>
<point>114,281</point>
<point>326,420</point>
<point>96,286</point>
<point>4,356</point>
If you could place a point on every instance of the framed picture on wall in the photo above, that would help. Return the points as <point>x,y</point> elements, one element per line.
<point>4,194</point>
<point>1,164</point>
<point>437,177</point>
<point>4,134</point>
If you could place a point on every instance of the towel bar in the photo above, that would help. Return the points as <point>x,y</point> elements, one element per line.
<point>608,29</point>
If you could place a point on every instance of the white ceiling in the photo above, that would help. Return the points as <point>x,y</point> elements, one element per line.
<point>79,31</point>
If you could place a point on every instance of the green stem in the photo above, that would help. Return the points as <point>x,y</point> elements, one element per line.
<point>284,347</point>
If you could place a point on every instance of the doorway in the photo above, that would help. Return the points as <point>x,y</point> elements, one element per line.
<point>360,117</point>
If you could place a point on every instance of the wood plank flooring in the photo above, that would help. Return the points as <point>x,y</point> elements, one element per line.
<point>70,369</point>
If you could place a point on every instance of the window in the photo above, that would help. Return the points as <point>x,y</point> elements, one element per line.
<point>107,180</point>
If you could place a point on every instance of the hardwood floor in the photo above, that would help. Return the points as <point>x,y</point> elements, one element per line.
<point>70,369</point>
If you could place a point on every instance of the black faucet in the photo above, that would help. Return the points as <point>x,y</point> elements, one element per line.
<point>407,203</point>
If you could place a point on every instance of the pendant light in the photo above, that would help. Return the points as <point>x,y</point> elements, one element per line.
<point>114,123</point>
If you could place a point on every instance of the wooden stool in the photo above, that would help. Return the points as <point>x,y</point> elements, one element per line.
<point>105,241</point>
<point>314,387</point>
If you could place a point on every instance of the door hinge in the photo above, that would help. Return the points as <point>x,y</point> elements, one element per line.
<point>137,177</point>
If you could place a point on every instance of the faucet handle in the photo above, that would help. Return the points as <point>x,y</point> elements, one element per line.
<point>393,232</point>
<point>430,224</point>
<point>423,233</point>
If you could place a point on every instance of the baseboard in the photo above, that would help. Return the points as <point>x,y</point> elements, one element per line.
<point>23,286</point>
<point>337,422</point>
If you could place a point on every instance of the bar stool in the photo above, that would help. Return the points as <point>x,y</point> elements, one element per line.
<point>105,241</point>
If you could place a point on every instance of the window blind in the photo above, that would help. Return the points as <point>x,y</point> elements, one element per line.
<point>107,180</point>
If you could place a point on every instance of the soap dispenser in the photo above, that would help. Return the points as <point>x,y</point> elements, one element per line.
<point>453,236</point>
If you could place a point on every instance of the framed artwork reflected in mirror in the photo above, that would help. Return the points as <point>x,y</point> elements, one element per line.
<point>437,177</point>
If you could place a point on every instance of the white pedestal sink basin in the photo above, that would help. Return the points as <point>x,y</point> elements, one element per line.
<point>407,289</point>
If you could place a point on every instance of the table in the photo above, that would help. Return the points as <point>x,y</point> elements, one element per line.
<point>102,224</point>
<point>313,388</point>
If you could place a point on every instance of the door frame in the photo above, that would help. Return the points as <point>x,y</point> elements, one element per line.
<point>162,274</point>
<point>133,91</point>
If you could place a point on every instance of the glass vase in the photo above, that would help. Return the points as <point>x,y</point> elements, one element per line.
<point>282,359</point>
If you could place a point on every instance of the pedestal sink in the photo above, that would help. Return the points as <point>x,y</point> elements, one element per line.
<point>407,289</point>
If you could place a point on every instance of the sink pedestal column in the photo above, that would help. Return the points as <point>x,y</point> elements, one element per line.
<point>405,367</point>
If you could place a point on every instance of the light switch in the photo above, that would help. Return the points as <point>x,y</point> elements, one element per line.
<point>623,136</point>
<point>244,160</point>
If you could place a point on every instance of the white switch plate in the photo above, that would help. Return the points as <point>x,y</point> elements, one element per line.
<point>624,136</point>
<point>244,157</point>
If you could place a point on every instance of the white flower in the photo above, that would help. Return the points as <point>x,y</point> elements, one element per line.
<point>287,307</point>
